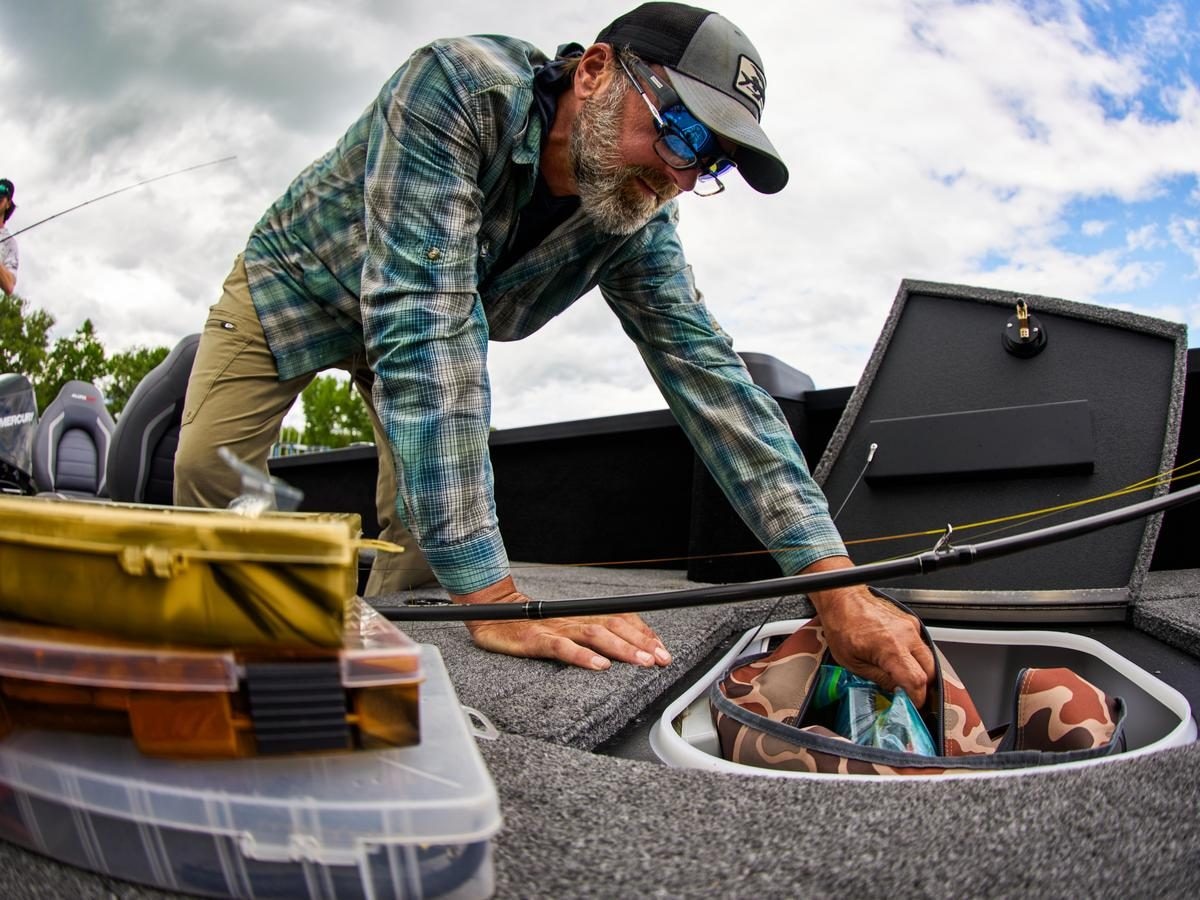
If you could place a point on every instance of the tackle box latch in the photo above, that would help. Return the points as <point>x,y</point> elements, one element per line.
<point>161,561</point>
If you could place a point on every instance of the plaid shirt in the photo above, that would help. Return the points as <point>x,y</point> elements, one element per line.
<point>389,243</point>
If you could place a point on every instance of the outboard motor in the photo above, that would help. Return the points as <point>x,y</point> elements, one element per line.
<point>18,422</point>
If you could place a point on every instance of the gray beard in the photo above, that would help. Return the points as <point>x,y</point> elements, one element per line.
<point>608,191</point>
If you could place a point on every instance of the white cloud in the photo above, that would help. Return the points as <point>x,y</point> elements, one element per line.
<point>1143,238</point>
<point>925,138</point>
<point>1185,234</point>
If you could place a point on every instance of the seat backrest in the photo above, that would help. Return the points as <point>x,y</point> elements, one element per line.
<point>141,461</point>
<point>70,448</point>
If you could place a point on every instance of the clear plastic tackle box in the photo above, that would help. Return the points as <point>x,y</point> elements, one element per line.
<point>409,822</point>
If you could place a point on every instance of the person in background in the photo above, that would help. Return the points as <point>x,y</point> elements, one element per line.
<point>483,191</point>
<point>9,259</point>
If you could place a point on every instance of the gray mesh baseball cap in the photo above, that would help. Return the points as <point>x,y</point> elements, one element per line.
<point>717,73</point>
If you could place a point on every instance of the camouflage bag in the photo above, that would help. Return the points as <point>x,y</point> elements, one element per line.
<point>764,716</point>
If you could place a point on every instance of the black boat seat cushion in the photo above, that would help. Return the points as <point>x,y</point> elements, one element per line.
<point>70,448</point>
<point>141,461</point>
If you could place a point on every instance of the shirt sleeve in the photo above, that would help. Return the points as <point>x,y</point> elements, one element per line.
<point>8,254</point>
<point>735,426</point>
<point>424,327</point>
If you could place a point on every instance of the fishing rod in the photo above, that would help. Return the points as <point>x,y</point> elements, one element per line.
<point>943,555</point>
<point>128,187</point>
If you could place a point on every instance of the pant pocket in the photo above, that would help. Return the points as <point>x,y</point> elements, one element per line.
<point>225,336</point>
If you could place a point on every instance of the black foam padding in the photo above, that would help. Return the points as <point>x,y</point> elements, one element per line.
<point>941,352</point>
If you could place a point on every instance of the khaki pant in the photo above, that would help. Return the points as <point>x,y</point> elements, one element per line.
<point>236,400</point>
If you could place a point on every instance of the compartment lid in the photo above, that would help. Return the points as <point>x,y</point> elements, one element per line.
<point>329,808</point>
<point>975,428</point>
<point>374,652</point>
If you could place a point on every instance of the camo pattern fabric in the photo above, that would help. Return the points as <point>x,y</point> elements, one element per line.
<point>1055,710</point>
<point>962,726</point>
<point>777,685</point>
<point>1059,711</point>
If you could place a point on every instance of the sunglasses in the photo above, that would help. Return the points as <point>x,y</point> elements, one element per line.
<point>684,142</point>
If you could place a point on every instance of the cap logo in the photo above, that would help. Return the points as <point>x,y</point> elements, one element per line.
<point>751,82</point>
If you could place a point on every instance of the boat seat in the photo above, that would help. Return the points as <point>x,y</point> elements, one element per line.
<point>141,460</point>
<point>70,447</point>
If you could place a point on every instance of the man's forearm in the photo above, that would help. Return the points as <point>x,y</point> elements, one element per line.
<point>8,280</point>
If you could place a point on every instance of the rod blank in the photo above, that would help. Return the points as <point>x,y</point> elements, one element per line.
<point>794,584</point>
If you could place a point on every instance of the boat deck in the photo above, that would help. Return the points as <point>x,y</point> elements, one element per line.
<point>579,823</point>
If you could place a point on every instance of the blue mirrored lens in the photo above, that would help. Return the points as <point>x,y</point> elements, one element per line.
<point>679,145</point>
<point>689,137</point>
<point>699,139</point>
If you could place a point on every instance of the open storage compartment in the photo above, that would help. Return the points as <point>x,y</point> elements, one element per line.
<point>987,661</point>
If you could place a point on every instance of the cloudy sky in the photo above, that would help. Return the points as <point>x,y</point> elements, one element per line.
<point>1047,146</point>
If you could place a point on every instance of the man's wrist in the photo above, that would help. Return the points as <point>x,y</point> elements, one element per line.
<point>832,600</point>
<point>501,591</point>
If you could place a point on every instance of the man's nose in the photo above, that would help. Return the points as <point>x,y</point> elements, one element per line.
<point>685,179</point>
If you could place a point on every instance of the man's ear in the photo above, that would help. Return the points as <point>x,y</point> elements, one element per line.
<point>594,69</point>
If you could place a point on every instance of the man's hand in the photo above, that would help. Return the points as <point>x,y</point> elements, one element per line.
<point>590,642</point>
<point>872,638</point>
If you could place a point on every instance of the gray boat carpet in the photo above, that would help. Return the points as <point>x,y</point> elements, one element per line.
<point>575,707</point>
<point>1169,609</point>
<point>580,825</point>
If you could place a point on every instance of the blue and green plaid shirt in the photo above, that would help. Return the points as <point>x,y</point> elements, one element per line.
<point>389,242</point>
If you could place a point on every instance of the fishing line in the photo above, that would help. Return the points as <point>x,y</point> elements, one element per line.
<point>943,555</point>
<point>1011,521</point>
<point>850,493</point>
<point>1017,519</point>
<point>128,187</point>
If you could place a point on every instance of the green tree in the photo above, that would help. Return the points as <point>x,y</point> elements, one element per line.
<point>24,334</point>
<point>125,371</point>
<point>289,434</point>
<point>80,357</point>
<point>334,413</point>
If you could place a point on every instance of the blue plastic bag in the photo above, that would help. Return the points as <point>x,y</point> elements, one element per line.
<point>868,716</point>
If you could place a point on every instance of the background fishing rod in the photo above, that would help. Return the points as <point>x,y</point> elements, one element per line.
<point>128,187</point>
<point>941,556</point>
